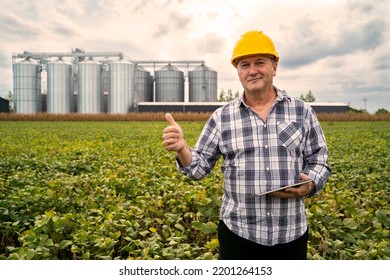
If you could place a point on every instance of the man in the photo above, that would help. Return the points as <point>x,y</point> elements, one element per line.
<point>267,140</point>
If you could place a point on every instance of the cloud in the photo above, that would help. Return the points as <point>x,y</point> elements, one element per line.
<point>365,34</point>
<point>17,27</point>
<point>4,57</point>
<point>311,37</point>
<point>382,61</point>
<point>211,43</point>
<point>64,31</point>
<point>337,49</point>
<point>174,23</point>
<point>362,6</point>
<point>310,42</point>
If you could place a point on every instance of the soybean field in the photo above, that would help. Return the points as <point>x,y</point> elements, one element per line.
<point>109,190</point>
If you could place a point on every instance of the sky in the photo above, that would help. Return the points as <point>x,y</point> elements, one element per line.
<point>337,49</point>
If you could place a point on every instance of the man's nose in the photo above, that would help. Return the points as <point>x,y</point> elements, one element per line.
<point>252,70</point>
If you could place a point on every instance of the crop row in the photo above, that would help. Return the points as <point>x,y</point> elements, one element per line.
<point>159,116</point>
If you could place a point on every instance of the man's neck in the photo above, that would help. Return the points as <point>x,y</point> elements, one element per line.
<point>255,99</point>
<point>261,103</point>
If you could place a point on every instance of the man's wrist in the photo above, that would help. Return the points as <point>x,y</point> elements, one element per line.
<point>184,156</point>
<point>312,190</point>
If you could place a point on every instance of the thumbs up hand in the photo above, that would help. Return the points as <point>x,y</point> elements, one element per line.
<point>173,138</point>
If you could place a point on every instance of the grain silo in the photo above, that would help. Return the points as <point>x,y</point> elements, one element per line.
<point>202,84</point>
<point>90,94</point>
<point>120,96</point>
<point>59,87</point>
<point>27,87</point>
<point>105,78</point>
<point>169,84</point>
<point>143,85</point>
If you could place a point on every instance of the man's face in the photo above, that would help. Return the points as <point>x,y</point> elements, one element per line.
<point>256,73</point>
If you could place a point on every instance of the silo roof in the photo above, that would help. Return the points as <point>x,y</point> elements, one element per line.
<point>58,61</point>
<point>139,67</point>
<point>203,67</point>
<point>169,67</point>
<point>89,61</point>
<point>27,61</point>
<point>120,61</point>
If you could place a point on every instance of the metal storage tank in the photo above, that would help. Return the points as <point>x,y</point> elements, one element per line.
<point>143,85</point>
<point>202,84</point>
<point>120,96</point>
<point>27,87</point>
<point>169,84</point>
<point>90,94</point>
<point>105,87</point>
<point>59,87</point>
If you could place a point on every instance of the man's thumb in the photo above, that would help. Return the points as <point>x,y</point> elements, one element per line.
<point>170,119</point>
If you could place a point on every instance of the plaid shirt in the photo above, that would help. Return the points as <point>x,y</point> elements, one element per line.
<point>260,156</point>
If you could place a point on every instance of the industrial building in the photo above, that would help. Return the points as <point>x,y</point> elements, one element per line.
<point>108,82</point>
<point>105,82</point>
<point>4,105</point>
<point>329,107</point>
<point>201,107</point>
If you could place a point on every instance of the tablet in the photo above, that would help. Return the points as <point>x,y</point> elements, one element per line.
<point>289,186</point>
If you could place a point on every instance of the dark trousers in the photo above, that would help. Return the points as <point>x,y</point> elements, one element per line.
<point>234,247</point>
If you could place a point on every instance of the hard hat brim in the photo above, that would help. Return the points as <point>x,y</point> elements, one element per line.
<point>234,61</point>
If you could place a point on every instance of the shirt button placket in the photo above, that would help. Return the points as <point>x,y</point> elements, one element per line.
<point>267,163</point>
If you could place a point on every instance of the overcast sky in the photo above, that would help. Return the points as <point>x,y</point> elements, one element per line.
<point>340,50</point>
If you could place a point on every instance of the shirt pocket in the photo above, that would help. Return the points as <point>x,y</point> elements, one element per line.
<point>290,136</point>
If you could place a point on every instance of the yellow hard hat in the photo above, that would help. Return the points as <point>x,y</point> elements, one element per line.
<point>251,43</point>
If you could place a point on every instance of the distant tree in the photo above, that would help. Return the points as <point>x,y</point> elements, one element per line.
<point>11,101</point>
<point>221,97</point>
<point>229,95</point>
<point>309,97</point>
<point>226,97</point>
<point>381,111</point>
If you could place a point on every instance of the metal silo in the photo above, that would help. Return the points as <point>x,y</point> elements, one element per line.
<point>120,96</point>
<point>105,78</point>
<point>169,84</point>
<point>59,87</point>
<point>90,93</point>
<point>202,84</point>
<point>27,87</point>
<point>143,85</point>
